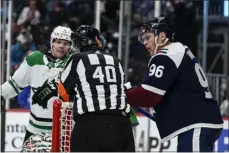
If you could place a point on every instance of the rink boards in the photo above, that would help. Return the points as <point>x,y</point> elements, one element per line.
<point>16,121</point>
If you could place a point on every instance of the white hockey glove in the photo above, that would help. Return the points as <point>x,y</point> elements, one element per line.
<point>40,142</point>
<point>127,86</point>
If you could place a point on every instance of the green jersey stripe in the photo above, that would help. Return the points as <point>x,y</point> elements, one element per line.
<point>14,86</point>
<point>40,126</point>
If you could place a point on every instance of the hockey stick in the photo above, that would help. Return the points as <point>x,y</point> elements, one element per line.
<point>129,86</point>
<point>145,113</point>
<point>35,30</point>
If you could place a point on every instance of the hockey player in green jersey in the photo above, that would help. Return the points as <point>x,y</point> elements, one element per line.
<point>36,71</point>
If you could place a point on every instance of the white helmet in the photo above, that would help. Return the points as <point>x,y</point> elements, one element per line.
<point>61,32</point>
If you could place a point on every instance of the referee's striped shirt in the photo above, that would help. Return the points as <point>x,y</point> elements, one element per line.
<point>96,79</point>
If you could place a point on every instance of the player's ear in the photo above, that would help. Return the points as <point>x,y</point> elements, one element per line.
<point>162,36</point>
<point>98,43</point>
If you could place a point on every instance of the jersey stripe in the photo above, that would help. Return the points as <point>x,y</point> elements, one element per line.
<point>101,96</point>
<point>106,84</point>
<point>78,103</point>
<point>88,97</point>
<point>120,84</point>
<point>113,89</point>
<point>93,59</point>
<point>67,71</point>
<point>153,89</point>
<point>92,94</point>
<point>123,102</point>
<point>109,60</point>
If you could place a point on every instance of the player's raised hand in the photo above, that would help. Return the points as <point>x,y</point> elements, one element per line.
<point>37,38</point>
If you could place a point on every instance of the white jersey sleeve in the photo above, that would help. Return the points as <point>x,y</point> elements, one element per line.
<point>17,82</point>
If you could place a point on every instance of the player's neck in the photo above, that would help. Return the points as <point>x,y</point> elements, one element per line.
<point>161,47</point>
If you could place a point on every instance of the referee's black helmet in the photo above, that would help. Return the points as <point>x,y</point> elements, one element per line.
<point>86,35</point>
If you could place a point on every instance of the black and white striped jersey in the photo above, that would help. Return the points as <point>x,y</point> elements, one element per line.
<point>96,81</point>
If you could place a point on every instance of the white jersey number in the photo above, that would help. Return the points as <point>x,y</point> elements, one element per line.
<point>110,74</point>
<point>201,76</point>
<point>156,70</point>
<point>203,80</point>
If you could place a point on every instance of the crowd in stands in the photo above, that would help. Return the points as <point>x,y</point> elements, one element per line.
<point>73,13</point>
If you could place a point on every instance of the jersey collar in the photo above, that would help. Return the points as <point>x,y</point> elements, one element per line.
<point>58,63</point>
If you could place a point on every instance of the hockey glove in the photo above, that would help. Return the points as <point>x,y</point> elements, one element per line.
<point>38,39</point>
<point>44,93</point>
<point>133,117</point>
<point>127,86</point>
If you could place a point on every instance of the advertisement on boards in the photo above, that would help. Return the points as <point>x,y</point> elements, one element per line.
<point>152,142</point>
<point>146,134</point>
<point>16,122</point>
<point>222,145</point>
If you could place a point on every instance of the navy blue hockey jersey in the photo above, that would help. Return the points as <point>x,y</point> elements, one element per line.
<point>187,103</point>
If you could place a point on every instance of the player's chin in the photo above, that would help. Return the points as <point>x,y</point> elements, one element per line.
<point>150,50</point>
<point>60,55</point>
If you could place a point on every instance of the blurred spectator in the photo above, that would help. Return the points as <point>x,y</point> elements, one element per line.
<point>58,16</point>
<point>110,17</point>
<point>22,48</point>
<point>145,9</point>
<point>224,108</point>
<point>28,13</point>
<point>111,9</point>
<point>182,13</point>
<point>80,12</point>
<point>136,71</point>
<point>88,9</point>
<point>73,13</point>
<point>50,5</point>
<point>3,10</point>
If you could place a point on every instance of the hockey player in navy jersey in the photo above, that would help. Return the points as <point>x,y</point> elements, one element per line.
<point>177,88</point>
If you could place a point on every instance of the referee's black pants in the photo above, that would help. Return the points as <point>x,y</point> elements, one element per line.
<point>106,131</point>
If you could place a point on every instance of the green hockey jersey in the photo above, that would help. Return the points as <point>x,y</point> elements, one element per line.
<point>33,72</point>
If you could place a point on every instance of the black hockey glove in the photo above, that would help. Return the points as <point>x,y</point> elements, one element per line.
<point>44,93</point>
<point>38,39</point>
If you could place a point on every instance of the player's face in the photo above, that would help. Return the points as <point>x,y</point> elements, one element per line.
<point>149,42</point>
<point>60,48</point>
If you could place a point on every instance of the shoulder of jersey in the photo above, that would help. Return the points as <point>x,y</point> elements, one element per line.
<point>114,57</point>
<point>35,58</point>
<point>77,55</point>
<point>174,51</point>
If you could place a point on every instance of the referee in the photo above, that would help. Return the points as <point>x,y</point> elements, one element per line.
<point>95,82</point>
